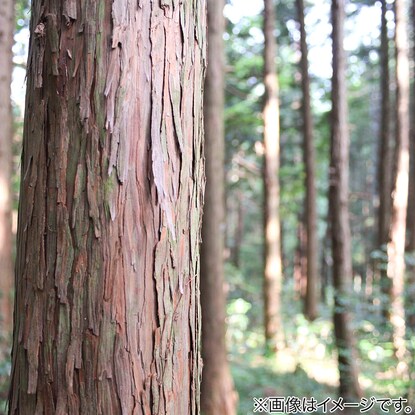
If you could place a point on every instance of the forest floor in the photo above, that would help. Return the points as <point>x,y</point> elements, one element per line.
<point>308,368</point>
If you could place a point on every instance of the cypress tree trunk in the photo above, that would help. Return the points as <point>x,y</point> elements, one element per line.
<point>272,227</point>
<point>385,165</point>
<point>312,293</point>
<point>107,307</point>
<point>218,395</point>
<point>385,160</point>
<point>396,246</point>
<point>6,123</point>
<point>339,212</point>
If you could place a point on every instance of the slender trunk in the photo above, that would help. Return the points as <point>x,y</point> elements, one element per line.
<point>339,212</point>
<point>272,227</point>
<point>385,162</point>
<point>396,246</point>
<point>107,308</point>
<point>312,293</point>
<point>239,230</point>
<point>300,261</point>
<point>6,122</point>
<point>385,156</point>
<point>411,197</point>
<point>217,392</point>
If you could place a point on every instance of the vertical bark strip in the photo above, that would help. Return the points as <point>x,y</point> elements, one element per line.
<point>385,159</point>
<point>6,122</point>
<point>410,223</point>
<point>273,262</point>
<point>396,246</point>
<point>217,391</point>
<point>339,211</point>
<point>107,302</point>
<point>385,163</point>
<point>312,293</point>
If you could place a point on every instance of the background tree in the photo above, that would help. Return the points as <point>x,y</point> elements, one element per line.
<point>107,308</point>
<point>312,292</point>
<point>272,228</point>
<point>396,246</point>
<point>385,159</point>
<point>339,212</point>
<point>6,122</point>
<point>218,395</point>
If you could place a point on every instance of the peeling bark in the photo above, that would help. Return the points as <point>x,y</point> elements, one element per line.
<point>339,212</point>
<point>6,122</point>
<point>217,391</point>
<point>107,315</point>
<point>272,226</point>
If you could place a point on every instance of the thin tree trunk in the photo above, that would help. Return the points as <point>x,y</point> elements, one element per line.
<point>6,123</point>
<point>272,227</point>
<point>411,198</point>
<point>339,212</point>
<point>396,246</point>
<point>239,230</point>
<point>300,261</point>
<point>385,163</point>
<point>218,394</point>
<point>312,293</point>
<point>385,159</point>
<point>107,308</point>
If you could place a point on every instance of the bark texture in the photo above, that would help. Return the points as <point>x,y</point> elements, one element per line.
<point>217,391</point>
<point>312,292</point>
<point>272,226</point>
<point>396,246</point>
<point>6,123</point>
<point>339,212</point>
<point>107,306</point>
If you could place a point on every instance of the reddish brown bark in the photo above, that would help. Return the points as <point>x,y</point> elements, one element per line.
<point>312,292</point>
<point>272,227</point>
<point>107,305</point>
<point>217,392</point>
<point>339,212</point>
<point>6,123</point>
<point>396,246</point>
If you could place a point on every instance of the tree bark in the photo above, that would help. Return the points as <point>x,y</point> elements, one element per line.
<point>272,227</point>
<point>339,212</point>
<point>217,392</point>
<point>107,307</point>
<point>312,293</point>
<point>385,163</point>
<point>6,122</point>
<point>385,159</point>
<point>410,246</point>
<point>396,246</point>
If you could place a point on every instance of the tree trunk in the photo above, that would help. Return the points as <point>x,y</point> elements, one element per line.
<point>396,246</point>
<point>385,164</point>
<point>218,395</point>
<point>385,160</point>
<point>312,293</point>
<point>239,230</point>
<point>339,212</point>
<point>272,227</point>
<point>107,307</point>
<point>6,122</point>
<point>410,246</point>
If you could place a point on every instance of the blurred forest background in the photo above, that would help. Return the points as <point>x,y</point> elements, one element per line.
<point>281,336</point>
